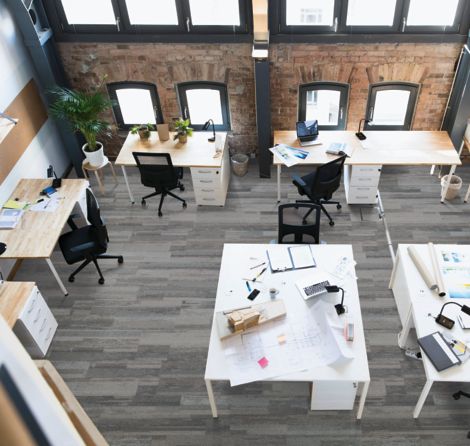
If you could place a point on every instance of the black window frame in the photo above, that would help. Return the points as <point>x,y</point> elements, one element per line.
<point>414,90</point>
<point>413,29</point>
<point>343,88</point>
<point>183,87</point>
<point>312,29</point>
<point>122,85</point>
<point>123,30</point>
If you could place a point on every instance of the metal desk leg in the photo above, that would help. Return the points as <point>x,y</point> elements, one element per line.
<point>466,195</point>
<point>446,186</point>
<point>394,271</point>
<point>113,172</point>
<point>405,331</point>
<point>422,398</point>
<point>362,401</point>
<point>278,183</point>
<point>57,278</point>
<point>210,394</point>
<point>131,197</point>
<point>432,169</point>
<point>100,184</point>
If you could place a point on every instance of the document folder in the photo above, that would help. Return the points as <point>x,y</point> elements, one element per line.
<point>286,259</point>
<point>438,351</point>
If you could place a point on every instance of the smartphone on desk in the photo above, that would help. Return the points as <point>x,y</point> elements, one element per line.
<point>253,294</point>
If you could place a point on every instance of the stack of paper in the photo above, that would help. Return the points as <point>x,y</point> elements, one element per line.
<point>9,218</point>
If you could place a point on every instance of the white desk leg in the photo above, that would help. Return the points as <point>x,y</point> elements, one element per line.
<point>422,398</point>
<point>394,270</point>
<point>432,169</point>
<point>466,195</point>
<point>278,183</point>
<point>446,186</point>
<point>131,197</point>
<point>405,331</point>
<point>362,401</point>
<point>57,278</point>
<point>210,394</point>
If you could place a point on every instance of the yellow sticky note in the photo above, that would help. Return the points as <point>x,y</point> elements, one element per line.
<point>281,339</point>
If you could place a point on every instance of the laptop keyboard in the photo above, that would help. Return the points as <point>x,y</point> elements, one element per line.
<point>316,288</point>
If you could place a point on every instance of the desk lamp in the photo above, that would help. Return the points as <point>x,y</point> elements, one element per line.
<point>206,126</point>
<point>445,321</point>
<point>335,289</point>
<point>359,134</point>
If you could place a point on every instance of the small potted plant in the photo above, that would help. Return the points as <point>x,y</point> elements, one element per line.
<point>82,110</point>
<point>182,130</point>
<point>143,130</point>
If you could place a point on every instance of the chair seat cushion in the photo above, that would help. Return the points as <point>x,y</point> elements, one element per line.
<point>70,240</point>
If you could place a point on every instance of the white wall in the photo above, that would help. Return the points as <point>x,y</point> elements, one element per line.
<point>15,72</point>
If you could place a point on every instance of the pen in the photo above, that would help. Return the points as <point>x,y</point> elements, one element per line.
<point>257,266</point>
<point>248,285</point>
<point>259,274</point>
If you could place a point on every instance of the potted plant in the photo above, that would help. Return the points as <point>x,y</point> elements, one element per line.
<point>82,110</point>
<point>182,130</point>
<point>143,130</point>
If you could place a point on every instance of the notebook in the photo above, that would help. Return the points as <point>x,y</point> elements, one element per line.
<point>438,351</point>
<point>282,258</point>
<point>9,218</point>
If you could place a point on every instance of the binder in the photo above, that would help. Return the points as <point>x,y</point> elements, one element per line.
<point>438,351</point>
<point>287,259</point>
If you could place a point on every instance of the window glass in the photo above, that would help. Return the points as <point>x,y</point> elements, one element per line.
<point>371,12</point>
<point>89,12</point>
<point>310,12</point>
<point>151,12</point>
<point>136,106</point>
<point>204,104</point>
<point>214,12</point>
<point>432,12</point>
<point>324,106</point>
<point>390,107</point>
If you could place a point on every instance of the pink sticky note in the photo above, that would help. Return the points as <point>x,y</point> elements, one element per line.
<point>263,362</point>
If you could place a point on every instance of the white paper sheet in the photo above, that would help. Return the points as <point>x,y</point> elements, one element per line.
<point>302,256</point>
<point>279,258</point>
<point>47,205</point>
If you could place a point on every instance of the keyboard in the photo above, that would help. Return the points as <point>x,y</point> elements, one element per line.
<point>316,288</point>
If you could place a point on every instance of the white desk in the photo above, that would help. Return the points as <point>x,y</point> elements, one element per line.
<point>381,148</point>
<point>415,302</point>
<point>232,293</point>
<point>210,174</point>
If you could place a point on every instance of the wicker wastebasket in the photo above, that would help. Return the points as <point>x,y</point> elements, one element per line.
<point>240,164</point>
<point>454,186</point>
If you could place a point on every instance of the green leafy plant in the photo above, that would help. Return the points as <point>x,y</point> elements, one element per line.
<point>182,128</point>
<point>135,129</point>
<point>82,110</point>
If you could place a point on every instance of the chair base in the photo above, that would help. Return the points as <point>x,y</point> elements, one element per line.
<point>320,203</point>
<point>94,260</point>
<point>164,193</point>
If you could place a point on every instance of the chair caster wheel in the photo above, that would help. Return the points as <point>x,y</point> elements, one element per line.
<point>304,222</point>
<point>100,281</point>
<point>121,259</point>
<point>338,206</point>
<point>71,279</point>
<point>456,396</point>
<point>182,188</point>
<point>332,223</point>
<point>159,214</point>
<point>143,202</point>
<point>185,205</point>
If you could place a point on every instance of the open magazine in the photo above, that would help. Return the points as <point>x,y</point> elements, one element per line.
<point>288,155</point>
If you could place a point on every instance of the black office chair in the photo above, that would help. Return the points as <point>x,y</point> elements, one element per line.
<point>291,223</point>
<point>320,185</point>
<point>88,243</point>
<point>157,171</point>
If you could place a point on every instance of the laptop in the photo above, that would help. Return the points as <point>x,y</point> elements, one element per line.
<point>307,132</point>
<point>313,285</point>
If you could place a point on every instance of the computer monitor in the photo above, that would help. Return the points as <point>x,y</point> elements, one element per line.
<point>307,130</point>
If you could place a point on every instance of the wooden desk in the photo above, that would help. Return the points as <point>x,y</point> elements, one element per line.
<point>210,175</point>
<point>37,233</point>
<point>339,379</point>
<point>415,302</point>
<point>390,148</point>
<point>13,297</point>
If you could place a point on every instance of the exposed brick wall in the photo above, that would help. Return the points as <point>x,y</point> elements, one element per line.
<point>166,65</point>
<point>431,65</point>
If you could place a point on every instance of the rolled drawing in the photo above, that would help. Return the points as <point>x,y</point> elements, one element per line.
<point>421,267</point>
<point>437,271</point>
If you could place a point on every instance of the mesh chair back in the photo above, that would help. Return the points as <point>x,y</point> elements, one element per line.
<point>291,217</point>
<point>94,217</point>
<point>327,179</point>
<point>156,170</point>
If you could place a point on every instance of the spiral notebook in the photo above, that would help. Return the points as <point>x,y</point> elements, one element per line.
<point>282,258</point>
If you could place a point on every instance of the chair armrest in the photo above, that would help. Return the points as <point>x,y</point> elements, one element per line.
<point>298,181</point>
<point>83,247</point>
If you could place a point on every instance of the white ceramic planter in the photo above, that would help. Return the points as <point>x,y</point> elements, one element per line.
<point>95,158</point>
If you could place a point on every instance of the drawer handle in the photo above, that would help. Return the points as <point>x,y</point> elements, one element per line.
<point>206,181</point>
<point>37,316</point>
<point>204,171</point>
<point>43,326</point>
<point>48,334</point>
<point>209,199</point>
<point>207,190</point>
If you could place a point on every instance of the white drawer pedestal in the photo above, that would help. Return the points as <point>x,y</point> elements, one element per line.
<point>361,183</point>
